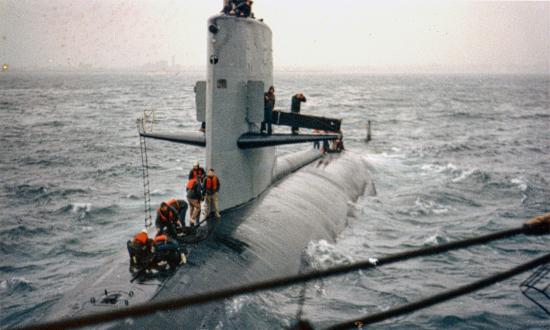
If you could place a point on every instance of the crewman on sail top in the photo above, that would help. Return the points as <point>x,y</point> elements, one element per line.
<point>194,197</point>
<point>169,216</point>
<point>211,187</point>
<point>140,251</point>
<point>197,171</point>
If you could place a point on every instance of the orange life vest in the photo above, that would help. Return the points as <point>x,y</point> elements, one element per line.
<point>173,203</point>
<point>161,239</point>
<point>212,183</point>
<point>191,183</point>
<point>141,238</point>
<point>164,218</point>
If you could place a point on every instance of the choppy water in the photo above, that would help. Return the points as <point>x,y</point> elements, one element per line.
<point>452,157</point>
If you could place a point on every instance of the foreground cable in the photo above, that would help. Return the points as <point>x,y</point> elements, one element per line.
<point>536,226</point>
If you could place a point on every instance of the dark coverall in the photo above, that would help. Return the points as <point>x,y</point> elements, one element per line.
<point>168,251</point>
<point>296,102</point>
<point>140,254</point>
<point>269,104</point>
<point>242,8</point>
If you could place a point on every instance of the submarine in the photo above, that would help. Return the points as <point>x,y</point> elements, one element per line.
<point>272,206</point>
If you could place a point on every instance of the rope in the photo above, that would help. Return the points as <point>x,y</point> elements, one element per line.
<point>441,297</point>
<point>170,304</point>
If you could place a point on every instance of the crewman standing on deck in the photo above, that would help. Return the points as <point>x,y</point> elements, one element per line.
<point>196,172</point>
<point>211,187</point>
<point>194,197</point>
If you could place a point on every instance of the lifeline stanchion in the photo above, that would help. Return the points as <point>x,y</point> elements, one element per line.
<point>532,287</point>
<point>537,226</point>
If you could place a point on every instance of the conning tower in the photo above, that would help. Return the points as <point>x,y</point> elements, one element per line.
<point>240,69</point>
<point>231,103</point>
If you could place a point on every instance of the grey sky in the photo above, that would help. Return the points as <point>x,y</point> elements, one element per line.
<point>378,36</point>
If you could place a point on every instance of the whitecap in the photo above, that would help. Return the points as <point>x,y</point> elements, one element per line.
<point>16,284</point>
<point>457,174</point>
<point>463,175</point>
<point>322,254</point>
<point>436,239</point>
<point>520,183</point>
<point>158,192</point>
<point>235,305</point>
<point>81,207</point>
<point>426,207</point>
<point>132,196</point>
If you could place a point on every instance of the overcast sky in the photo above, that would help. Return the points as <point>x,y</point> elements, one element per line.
<point>380,36</point>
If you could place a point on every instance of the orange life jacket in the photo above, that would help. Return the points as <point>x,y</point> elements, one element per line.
<point>173,203</point>
<point>141,238</point>
<point>161,239</point>
<point>191,183</point>
<point>165,218</point>
<point>212,183</point>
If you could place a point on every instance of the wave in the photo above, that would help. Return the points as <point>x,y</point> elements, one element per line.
<point>21,231</point>
<point>456,173</point>
<point>54,124</point>
<point>85,210</point>
<point>15,285</point>
<point>132,197</point>
<point>81,207</point>
<point>160,192</point>
<point>39,192</point>
<point>436,239</point>
<point>321,254</point>
<point>522,185</point>
<point>424,207</point>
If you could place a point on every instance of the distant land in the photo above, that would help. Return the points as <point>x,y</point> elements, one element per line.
<point>164,66</point>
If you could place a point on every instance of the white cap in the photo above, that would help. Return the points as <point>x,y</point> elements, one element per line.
<point>196,163</point>
<point>144,231</point>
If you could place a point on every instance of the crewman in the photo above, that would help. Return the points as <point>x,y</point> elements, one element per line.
<point>140,251</point>
<point>316,144</point>
<point>211,187</point>
<point>269,105</point>
<point>167,251</point>
<point>196,172</point>
<point>194,197</point>
<point>169,216</point>
<point>295,105</point>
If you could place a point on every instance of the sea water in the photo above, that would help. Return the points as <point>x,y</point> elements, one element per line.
<point>452,156</point>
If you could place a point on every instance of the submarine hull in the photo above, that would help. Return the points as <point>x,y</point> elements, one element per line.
<point>257,241</point>
<point>266,239</point>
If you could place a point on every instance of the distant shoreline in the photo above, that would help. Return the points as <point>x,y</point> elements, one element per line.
<point>276,71</point>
